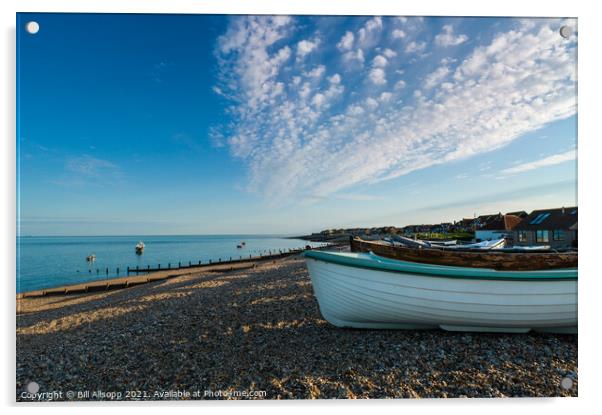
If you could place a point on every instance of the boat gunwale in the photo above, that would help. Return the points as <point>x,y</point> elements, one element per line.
<point>379,263</point>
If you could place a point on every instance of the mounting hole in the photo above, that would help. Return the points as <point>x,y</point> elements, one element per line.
<point>33,387</point>
<point>566,383</point>
<point>566,32</point>
<point>32,27</point>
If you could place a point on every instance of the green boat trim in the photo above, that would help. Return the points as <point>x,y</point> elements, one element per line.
<point>378,263</point>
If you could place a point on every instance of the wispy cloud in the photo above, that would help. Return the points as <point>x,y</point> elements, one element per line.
<point>83,170</point>
<point>447,37</point>
<point>159,70</point>
<point>304,135</point>
<point>90,166</point>
<point>547,161</point>
<point>414,47</point>
<point>189,142</point>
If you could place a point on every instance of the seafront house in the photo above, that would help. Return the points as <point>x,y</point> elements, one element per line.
<point>485,220</point>
<point>465,225</point>
<point>554,227</point>
<point>500,227</point>
<point>520,213</point>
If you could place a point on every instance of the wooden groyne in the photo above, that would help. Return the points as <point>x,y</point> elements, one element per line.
<point>230,260</point>
<point>160,274</point>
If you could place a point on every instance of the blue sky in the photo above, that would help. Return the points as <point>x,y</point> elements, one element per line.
<point>202,124</point>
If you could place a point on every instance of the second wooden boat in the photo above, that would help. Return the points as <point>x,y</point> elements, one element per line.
<point>493,259</point>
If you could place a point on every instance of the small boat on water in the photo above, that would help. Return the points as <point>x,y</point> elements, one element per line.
<point>509,259</point>
<point>363,290</point>
<point>239,246</point>
<point>91,258</point>
<point>140,248</point>
<point>243,243</point>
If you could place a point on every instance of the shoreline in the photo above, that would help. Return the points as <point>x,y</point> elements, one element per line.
<point>153,275</point>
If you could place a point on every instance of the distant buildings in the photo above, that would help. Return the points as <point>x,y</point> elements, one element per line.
<point>554,227</point>
<point>499,227</point>
<point>465,225</point>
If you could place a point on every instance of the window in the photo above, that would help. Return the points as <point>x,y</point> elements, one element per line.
<point>542,236</point>
<point>539,218</point>
<point>558,235</point>
<point>522,236</point>
<point>535,219</point>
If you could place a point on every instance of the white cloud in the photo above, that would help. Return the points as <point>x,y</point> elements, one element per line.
<point>346,42</point>
<point>371,103</point>
<point>357,55</point>
<point>305,47</point>
<point>398,34</point>
<point>400,84</point>
<point>389,53</point>
<point>355,110</point>
<point>385,96</point>
<point>368,35</point>
<point>447,38</point>
<point>319,100</point>
<point>379,61</point>
<point>244,54</point>
<point>335,79</point>
<point>547,161</point>
<point>317,72</point>
<point>436,77</point>
<point>299,145</point>
<point>377,76</point>
<point>414,47</point>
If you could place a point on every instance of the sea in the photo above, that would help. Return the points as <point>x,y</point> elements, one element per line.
<point>54,261</point>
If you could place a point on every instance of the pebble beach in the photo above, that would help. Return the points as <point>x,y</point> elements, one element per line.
<point>257,333</point>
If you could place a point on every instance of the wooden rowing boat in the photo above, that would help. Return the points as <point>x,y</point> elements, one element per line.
<point>368,291</point>
<point>499,260</point>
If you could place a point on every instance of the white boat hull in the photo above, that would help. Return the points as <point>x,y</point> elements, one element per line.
<point>366,298</point>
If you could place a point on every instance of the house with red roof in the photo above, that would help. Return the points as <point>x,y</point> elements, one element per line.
<point>497,228</point>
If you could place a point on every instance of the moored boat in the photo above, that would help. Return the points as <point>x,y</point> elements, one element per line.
<point>510,259</point>
<point>140,247</point>
<point>368,291</point>
<point>91,258</point>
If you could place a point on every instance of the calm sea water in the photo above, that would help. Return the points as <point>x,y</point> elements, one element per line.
<point>45,262</point>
